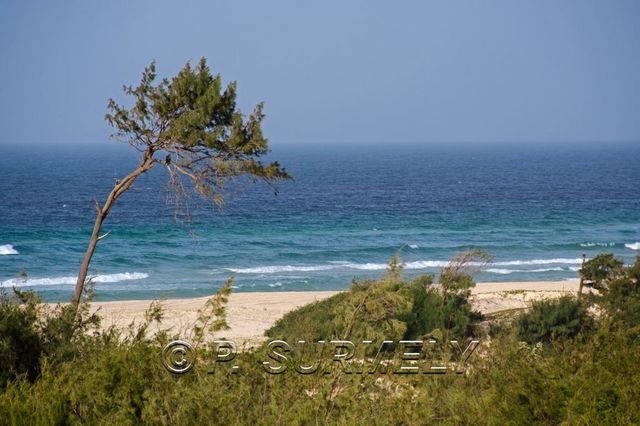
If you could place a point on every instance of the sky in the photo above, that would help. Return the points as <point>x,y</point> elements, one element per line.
<point>336,72</point>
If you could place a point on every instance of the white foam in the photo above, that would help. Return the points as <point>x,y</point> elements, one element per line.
<point>278,284</point>
<point>555,261</point>
<point>633,246</point>
<point>413,246</point>
<point>419,264</point>
<point>511,271</point>
<point>499,271</point>
<point>366,266</point>
<point>281,268</point>
<point>423,264</point>
<point>597,244</point>
<point>125,276</point>
<point>7,249</point>
<point>108,278</point>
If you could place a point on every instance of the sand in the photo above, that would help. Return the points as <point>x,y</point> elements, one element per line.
<point>250,314</point>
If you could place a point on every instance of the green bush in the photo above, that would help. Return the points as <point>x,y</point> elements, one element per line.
<point>309,322</point>
<point>618,288</point>
<point>371,310</point>
<point>451,314</point>
<point>21,343</point>
<point>600,270</point>
<point>121,381</point>
<point>110,377</point>
<point>390,308</point>
<point>555,319</point>
<point>32,333</point>
<point>446,309</point>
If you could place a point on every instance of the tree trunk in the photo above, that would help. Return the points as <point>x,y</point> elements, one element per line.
<point>84,266</point>
<point>584,258</point>
<point>580,287</point>
<point>145,164</point>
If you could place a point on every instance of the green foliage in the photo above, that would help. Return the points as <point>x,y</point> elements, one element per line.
<point>618,288</point>
<point>371,310</point>
<point>598,271</point>
<point>457,277</point>
<point>309,322</point>
<point>32,333</point>
<point>447,309</point>
<point>446,313</point>
<point>21,345</point>
<point>621,296</point>
<point>194,121</point>
<point>114,379</point>
<point>213,316</point>
<point>193,129</point>
<point>390,308</point>
<point>555,319</point>
<point>594,381</point>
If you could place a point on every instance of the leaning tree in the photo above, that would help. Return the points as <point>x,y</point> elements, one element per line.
<point>189,126</point>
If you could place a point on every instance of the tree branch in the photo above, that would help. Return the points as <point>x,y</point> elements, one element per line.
<point>103,235</point>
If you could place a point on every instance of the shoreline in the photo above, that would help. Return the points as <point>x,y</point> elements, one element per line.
<point>249,314</point>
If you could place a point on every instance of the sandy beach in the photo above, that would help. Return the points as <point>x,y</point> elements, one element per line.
<point>250,314</point>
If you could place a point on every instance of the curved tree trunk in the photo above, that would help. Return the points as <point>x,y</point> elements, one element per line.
<point>145,164</point>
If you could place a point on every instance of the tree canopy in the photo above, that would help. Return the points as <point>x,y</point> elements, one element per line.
<point>195,122</point>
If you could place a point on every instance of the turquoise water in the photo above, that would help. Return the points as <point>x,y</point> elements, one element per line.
<point>535,208</point>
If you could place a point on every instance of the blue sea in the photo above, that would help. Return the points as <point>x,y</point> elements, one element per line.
<point>535,207</point>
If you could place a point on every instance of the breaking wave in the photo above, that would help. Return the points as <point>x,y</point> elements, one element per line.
<point>7,249</point>
<point>276,269</point>
<point>420,264</point>
<point>107,278</point>
<point>597,244</point>
<point>511,271</point>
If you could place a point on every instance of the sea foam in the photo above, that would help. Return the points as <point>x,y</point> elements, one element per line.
<point>7,249</point>
<point>107,278</point>
<point>633,246</point>
<point>282,268</point>
<point>511,271</point>
<point>419,264</point>
<point>597,244</point>
<point>558,260</point>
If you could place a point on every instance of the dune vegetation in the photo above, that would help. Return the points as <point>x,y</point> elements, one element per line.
<point>567,360</point>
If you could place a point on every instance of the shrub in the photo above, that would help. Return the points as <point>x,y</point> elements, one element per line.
<point>434,309</point>
<point>119,379</point>
<point>21,343</point>
<point>375,310</point>
<point>309,322</point>
<point>618,288</point>
<point>549,320</point>
<point>390,308</point>
<point>622,298</point>
<point>600,270</point>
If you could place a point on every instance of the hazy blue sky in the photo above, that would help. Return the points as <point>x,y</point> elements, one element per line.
<point>336,71</point>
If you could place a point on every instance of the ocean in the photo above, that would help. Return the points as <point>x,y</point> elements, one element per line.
<point>535,207</point>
